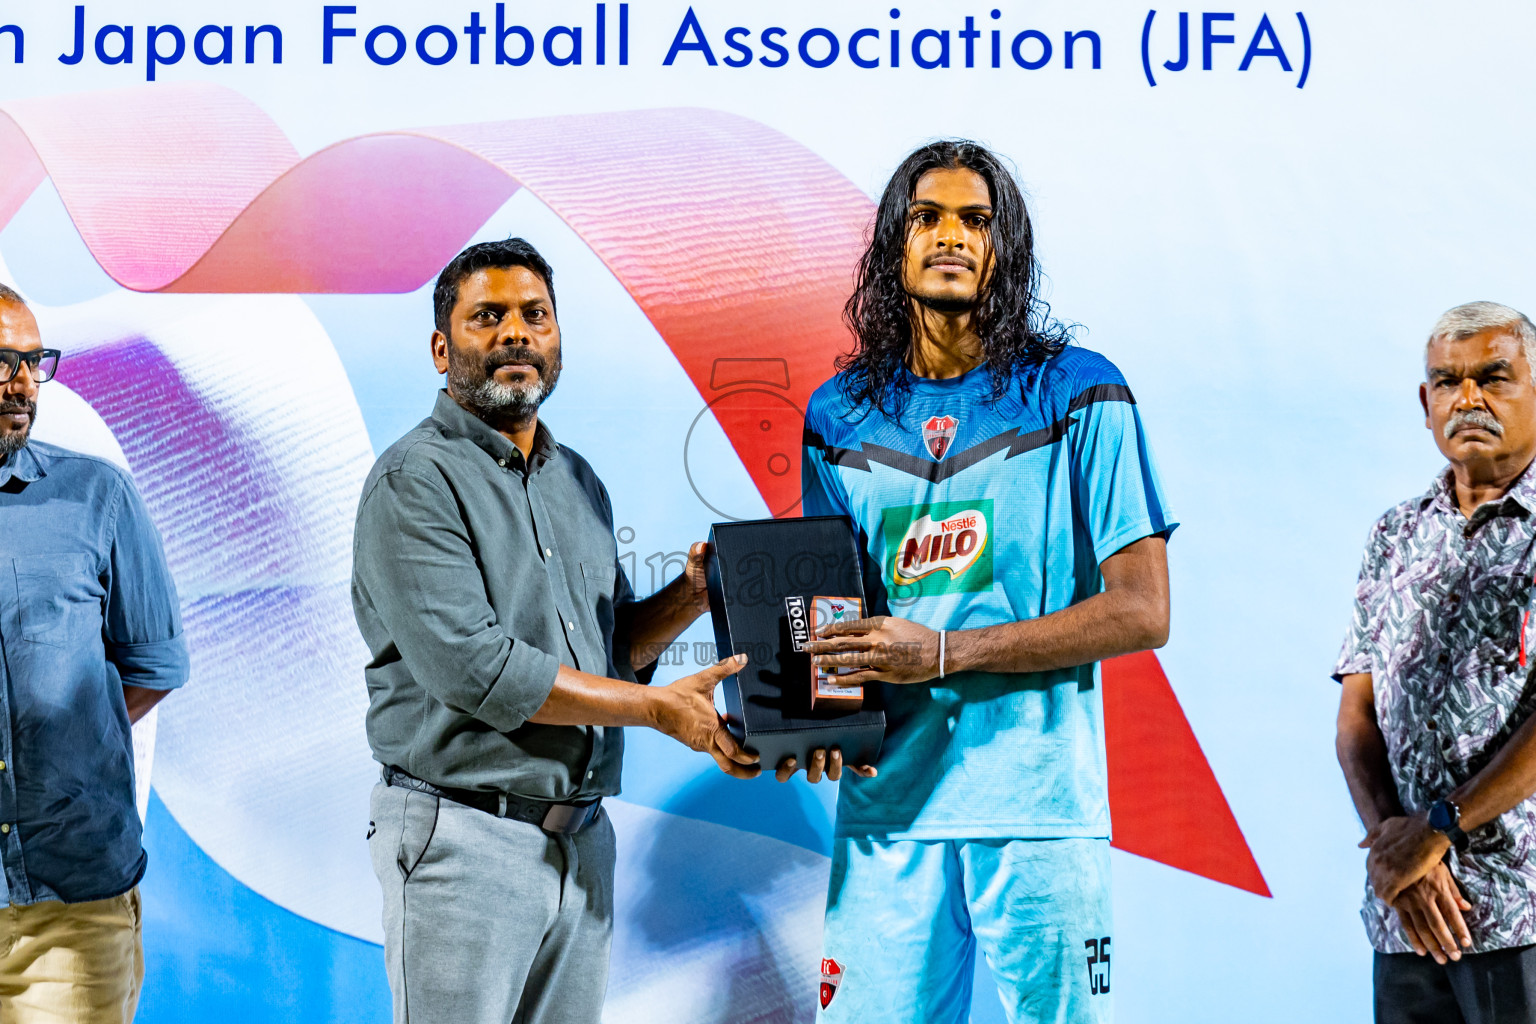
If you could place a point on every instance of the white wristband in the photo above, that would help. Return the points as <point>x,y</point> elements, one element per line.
<point>941,654</point>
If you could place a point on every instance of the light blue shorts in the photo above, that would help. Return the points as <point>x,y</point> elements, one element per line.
<point>904,919</point>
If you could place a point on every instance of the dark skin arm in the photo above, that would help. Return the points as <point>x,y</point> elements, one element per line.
<point>1431,905</point>
<point>1404,848</point>
<point>1507,781</point>
<point>140,699</point>
<point>685,710</point>
<point>650,626</point>
<point>1130,614</point>
<point>1362,754</point>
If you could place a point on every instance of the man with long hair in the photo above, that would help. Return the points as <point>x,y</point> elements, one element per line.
<point>1013,524</point>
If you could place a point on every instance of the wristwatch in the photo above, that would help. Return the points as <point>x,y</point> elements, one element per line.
<point>1445,818</point>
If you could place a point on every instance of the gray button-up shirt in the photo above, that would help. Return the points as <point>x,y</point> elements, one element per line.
<point>1438,617</point>
<point>475,576</point>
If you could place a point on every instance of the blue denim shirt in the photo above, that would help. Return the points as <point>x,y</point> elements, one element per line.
<point>87,606</point>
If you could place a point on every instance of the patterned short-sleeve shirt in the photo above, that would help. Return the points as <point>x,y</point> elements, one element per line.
<point>1439,611</point>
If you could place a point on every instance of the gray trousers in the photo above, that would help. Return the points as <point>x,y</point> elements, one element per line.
<point>488,920</point>
<point>1480,988</point>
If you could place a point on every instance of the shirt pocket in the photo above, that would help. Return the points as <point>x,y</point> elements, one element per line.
<point>598,583</point>
<point>59,597</point>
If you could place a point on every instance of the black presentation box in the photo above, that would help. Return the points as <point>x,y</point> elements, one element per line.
<point>761,573</point>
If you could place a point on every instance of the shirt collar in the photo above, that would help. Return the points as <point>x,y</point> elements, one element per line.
<point>458,420</point>
<point>27,465</point>
<point>1524,490</point>
<point>1442,493</point>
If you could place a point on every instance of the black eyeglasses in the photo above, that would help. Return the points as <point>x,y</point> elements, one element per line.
<point>41,363</point>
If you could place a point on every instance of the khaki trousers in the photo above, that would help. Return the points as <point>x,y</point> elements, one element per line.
<point>71,963</point>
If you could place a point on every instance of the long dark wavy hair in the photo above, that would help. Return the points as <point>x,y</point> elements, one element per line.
<point>1014,323</point>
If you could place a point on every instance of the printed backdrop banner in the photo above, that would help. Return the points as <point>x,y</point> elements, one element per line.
<point>230,219</point>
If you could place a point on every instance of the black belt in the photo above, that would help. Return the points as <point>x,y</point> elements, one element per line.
<point>560,819</point>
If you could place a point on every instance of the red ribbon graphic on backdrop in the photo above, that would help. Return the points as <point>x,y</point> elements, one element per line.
<point>733,239</point>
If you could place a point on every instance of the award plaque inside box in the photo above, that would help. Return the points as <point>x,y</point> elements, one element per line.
<point>769,581</point>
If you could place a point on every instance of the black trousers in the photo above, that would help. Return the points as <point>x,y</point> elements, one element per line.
<point>1480,988</point>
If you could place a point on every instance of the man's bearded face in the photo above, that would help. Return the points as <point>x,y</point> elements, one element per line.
<point>472,379</point>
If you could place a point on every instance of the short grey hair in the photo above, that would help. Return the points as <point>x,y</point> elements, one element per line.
<point>1476,317</point>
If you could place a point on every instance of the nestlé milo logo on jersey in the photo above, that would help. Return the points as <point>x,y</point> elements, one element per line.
<point>939,548</point>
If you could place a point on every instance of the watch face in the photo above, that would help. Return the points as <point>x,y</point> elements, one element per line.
<point>1441,816</point>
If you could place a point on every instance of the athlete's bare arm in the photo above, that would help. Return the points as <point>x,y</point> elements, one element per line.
<point>1130,614</point>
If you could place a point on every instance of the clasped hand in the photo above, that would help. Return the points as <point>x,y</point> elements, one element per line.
<point>1406,867</point>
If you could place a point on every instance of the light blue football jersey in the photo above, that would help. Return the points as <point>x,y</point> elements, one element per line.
<point>976,514</point>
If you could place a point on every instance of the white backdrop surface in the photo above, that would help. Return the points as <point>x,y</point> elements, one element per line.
<point>1261,260</point>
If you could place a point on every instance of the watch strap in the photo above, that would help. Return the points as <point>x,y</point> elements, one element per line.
<point>1452,831</point>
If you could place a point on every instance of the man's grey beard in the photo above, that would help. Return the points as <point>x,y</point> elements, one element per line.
<point>1472,418</point>
<point>492,400</point>
<point>13,441</point>
<point>495,400</point>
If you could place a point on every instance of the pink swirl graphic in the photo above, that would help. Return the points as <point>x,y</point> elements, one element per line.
<point>731,238</point>
<point>734,240</point>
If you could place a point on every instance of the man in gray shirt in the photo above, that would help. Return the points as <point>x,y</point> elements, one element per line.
<point>505,643</point>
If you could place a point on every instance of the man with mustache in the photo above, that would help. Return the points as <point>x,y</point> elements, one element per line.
<point>90,633</point>
<point>1435,732</point>
<point>505,649</point>
<point>1015,530</point>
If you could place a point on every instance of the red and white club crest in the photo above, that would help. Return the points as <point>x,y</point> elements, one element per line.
<point>939,434</point>
<point>831,977</point>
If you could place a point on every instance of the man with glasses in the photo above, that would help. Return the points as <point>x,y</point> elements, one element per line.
<point>90,633</point>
